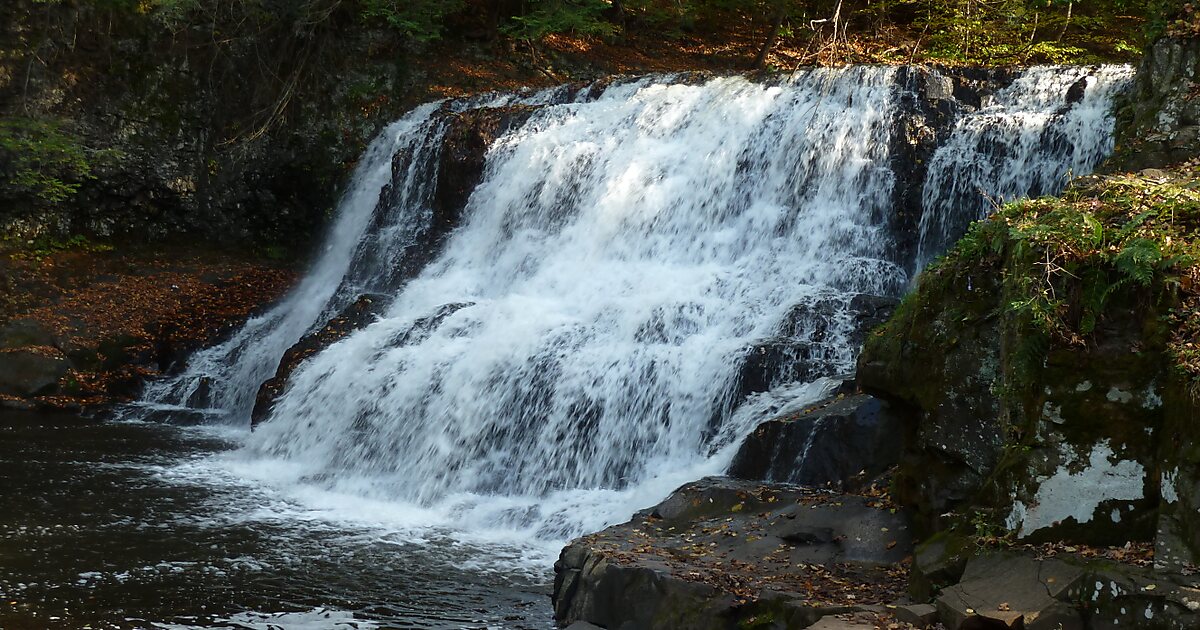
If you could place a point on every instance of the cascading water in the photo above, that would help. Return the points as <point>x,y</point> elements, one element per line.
<point>617,258</point>
<point>218,381</point>
<point>569,354</point>
<point>1052,123</point>
<point>364,243</point>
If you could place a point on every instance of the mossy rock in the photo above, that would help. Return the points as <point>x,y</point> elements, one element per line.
<point>1041,393</point>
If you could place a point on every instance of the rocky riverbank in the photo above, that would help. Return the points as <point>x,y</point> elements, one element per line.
<point>844,554</point>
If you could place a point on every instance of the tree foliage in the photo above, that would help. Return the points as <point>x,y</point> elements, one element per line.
<point>43,161</point>
<point>953,30</point>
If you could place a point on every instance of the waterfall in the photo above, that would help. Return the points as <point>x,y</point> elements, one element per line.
<point>365,240</point>
<point>1052,123</point>
<point>573,349</point>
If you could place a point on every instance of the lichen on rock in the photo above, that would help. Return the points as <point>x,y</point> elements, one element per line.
<point>1046,364</point>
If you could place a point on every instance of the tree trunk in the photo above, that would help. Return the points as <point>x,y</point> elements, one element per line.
<point>776,23</point>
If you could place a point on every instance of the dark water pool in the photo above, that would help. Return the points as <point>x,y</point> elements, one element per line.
<point>119,525</point>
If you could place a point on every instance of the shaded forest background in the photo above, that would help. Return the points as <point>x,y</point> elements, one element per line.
<point>237,120</point>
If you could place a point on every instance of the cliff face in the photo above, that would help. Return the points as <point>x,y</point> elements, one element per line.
<point>118,125</point>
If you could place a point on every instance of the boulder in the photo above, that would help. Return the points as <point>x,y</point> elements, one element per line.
<point>1159,120</point>
<point>1052,443</point>
<point>722,553</point>
<point>832,444</point>
<point>20,333</point>
<point>1012,591</point>
<point>31,371</point>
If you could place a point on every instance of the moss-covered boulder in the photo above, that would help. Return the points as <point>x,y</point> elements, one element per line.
<point>1046,367</point>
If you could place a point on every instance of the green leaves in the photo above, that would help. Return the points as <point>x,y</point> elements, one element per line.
<point>1139,260</point>
<point>579,17</point>
<point>1065,259</point>
<point>422,20</point>
<point>43,161</point>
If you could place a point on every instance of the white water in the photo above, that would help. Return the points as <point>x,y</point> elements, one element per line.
<point>622,253</point>
<point>366,239</point>
<point>252,355</point>
<point>1026,143</point>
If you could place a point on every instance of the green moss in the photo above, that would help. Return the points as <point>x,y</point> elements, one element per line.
<point>1016,323</point>
<point>1066,262</point>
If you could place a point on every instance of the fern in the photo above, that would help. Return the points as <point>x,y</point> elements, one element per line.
<point>1138,260</point>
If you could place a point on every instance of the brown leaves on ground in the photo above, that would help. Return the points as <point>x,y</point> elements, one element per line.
<point>1139,554</point>
<point>120,317</point>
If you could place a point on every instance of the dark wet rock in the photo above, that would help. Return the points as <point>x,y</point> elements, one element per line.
<point>455,167</point>
<point>31,371</point>
<point>930,101</point>
<point>465,146</point>
<point>803,348</point>
<point>357,315</point>
<point>720,552</point>
<point>20,333</point>
<point>848,439</point>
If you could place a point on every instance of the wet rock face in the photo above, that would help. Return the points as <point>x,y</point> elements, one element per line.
<point>720,553</point>
<point>805,346</point>
<point>930,102</point>
<point>1159,121</point>
<point>357,315</point>
<point>842,443</point>
<point>453,170</point>
<point>938,375</point>
<point>1057,445</point>
<point>464,154</point>
<point>459,168</point>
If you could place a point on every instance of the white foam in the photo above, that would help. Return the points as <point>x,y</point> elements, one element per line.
<point>1027,142</point>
